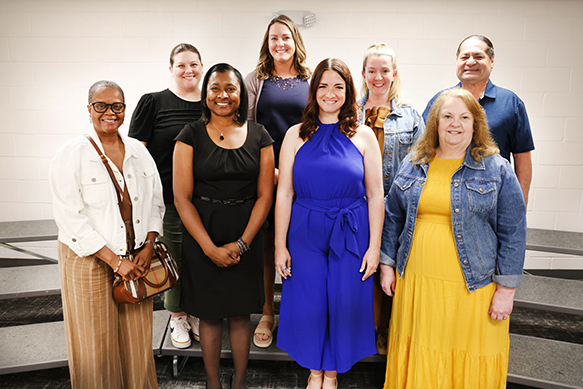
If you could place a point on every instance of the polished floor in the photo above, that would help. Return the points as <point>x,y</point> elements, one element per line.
<point>261,374</point>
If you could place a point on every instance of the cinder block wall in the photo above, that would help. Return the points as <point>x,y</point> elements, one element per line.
<point>52,51</point>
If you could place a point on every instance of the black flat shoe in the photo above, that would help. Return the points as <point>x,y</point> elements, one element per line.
<point>231,380</point>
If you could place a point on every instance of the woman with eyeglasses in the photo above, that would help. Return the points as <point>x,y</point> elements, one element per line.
<point>109,345</point>
<point>223,189</point>
<point>157,120</point>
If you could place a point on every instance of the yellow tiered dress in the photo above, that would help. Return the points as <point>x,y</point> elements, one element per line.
<point>440,335</point>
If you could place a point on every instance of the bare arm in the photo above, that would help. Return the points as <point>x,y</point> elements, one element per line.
<point>373,182</point>
<point>285,195</point>
<point>264,195</point>
<point>523,169</point>
<point>183,191</point>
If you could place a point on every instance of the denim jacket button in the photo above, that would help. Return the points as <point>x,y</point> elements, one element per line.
<point>457,210</point>
<point>456,184</point>
<point>465,262</point>
<point>459,236</point>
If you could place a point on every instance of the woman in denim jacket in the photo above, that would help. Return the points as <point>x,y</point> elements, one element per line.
<point>397,125</point>
<point>455,229</point>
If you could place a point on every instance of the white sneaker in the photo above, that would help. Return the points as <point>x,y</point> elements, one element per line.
<point>194,326</point>
<point>179,332</point>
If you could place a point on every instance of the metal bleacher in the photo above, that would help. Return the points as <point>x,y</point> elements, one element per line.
<point>533,361</point>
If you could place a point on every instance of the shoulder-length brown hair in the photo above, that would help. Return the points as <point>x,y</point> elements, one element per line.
<point>347,118</point>
<point>265,65</point>
<point>482,142</point>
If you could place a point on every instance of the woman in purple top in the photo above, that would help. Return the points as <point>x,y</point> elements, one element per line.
<point>278,93</point>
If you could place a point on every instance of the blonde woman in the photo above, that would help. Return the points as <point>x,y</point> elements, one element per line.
<point>397,125</point>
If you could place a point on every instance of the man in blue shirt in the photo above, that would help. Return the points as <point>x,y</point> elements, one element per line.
<point>505,111</point>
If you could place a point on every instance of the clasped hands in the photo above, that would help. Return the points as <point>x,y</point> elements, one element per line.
<point>139,267</point>
<point>226,255</point>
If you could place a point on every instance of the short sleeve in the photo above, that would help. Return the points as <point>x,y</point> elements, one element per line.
<point>186,135</point>
<point>264,137</point>
<point>522,140</point>
<point>142,124</point>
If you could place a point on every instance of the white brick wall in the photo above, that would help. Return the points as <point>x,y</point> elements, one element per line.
<point>52,51</point>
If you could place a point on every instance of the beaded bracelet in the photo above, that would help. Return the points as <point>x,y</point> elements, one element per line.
<point>242,245</point>
<point>118,266</point>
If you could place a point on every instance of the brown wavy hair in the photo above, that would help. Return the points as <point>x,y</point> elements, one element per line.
<point>482,142</point>
<point>347,118</point>
<point>265,66</point>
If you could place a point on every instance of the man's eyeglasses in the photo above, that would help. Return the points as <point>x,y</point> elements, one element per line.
<point>101,107</point>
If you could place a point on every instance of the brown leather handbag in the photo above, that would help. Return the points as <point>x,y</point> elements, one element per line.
<point>163,273</point>
<point>163,276</point>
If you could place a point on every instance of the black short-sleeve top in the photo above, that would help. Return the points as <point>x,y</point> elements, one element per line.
<point>221,173</point>
<point>157,120</point>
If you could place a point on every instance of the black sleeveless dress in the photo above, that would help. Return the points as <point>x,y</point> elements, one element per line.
<point>209,291</point>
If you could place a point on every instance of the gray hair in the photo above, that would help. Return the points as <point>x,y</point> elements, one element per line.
<point>103,84</point>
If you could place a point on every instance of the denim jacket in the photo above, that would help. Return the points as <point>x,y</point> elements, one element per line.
<point>403,126</point>
<point>488,218</point>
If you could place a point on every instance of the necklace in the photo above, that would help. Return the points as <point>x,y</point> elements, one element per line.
<point>222,137</point>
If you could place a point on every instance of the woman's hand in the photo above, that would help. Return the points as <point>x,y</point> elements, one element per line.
<point>144,258</point>
<point>129,270</point>
<point>283,263</point>
<point>370,262</point>
<point>388,279</point>
<point>502,303</point>
<point>225,256</point>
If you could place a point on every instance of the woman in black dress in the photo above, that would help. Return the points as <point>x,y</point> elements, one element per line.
<point>223,188</point>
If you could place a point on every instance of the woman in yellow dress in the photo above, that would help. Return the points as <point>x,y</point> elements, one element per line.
<point>455,237</point>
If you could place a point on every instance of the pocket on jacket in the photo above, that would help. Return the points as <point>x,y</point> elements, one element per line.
<point>406,137</point>
<point>481,195</point>
<point>95,187</point>
<point>404,183</point>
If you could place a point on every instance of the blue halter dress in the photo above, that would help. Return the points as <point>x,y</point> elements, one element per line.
<point>326,315</point>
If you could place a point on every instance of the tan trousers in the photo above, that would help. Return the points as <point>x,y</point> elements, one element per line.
<point>109,344</point>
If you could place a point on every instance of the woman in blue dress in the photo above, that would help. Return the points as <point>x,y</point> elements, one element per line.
<point>328,222</point>
<point>278,93</point>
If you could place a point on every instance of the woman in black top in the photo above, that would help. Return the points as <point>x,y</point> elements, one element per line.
<point>223,189</point>
<point>157,120</point>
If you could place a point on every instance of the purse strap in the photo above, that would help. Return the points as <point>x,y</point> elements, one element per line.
<point>124,202</point>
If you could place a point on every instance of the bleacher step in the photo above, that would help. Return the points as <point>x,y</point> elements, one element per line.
<point>29,281</point>
<point>544,363</point>
<point>550,294</point>
<point>42,346</point>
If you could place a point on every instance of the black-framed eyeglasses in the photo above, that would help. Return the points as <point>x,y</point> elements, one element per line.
<point>101,107</point>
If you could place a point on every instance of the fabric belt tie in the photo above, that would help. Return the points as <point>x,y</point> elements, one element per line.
<point>343,237</point>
